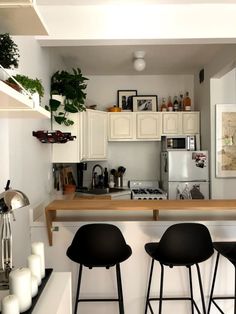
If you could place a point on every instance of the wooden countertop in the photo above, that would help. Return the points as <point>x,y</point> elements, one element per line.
<point>132,205</point>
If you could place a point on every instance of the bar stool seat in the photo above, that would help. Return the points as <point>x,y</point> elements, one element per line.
<point>228,250</point>
<point>183,244</point>
<point>99,245</point>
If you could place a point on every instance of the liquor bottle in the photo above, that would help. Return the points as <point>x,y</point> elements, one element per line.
<point>181,102</point>
<point>169,104</point>
<point>163,105</point>
<point>105,178</point>
<point>187,102</point>
<point>176,104</point>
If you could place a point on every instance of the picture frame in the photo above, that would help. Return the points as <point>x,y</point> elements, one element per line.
<point>124,99</point>
<point>145,103</point>
<point>225,140</point>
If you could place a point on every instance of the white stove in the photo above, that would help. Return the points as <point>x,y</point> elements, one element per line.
<point>146,190</point>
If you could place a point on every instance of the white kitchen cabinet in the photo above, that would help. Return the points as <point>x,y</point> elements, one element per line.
<point>16,105</point>
<point>148,125</point>
<point>93,135</point>
<point>121,126</point>
<point>90,129</point>
<point>171,123</point>
<point>174,123</point>
<point>190,122</point>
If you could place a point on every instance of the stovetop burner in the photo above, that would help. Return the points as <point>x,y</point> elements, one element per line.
<point>146,190</point>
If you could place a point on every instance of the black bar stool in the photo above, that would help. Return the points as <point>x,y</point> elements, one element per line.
<point>183,244</point>
<point>99,245</point>
<point>228,250</point>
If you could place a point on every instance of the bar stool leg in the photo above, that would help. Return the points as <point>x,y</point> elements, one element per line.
<point>161,288</point>
<point>119,288</point>
<point>234,289</point>
<point>213,282</point>
<point>78,288</point>
<point>201,289</point>
<point>149,286</point>
<point>191,288</point>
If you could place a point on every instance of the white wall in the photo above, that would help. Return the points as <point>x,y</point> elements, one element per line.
<point>218,87</point>
<point>141,159</point>
<point>24,160</point>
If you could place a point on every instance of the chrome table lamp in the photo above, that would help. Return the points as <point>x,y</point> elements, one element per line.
<point>9,201</point>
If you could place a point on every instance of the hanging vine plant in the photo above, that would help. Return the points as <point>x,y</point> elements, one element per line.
<point>72,87</point>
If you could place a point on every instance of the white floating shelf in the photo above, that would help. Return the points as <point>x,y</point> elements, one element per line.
<point>16,105</point>
<point>21,18</point>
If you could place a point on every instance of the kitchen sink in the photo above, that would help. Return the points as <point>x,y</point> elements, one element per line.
<point>98,191</point>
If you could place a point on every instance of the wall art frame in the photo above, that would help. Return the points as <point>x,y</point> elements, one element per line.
<point>225,140</point>
<point>145,103</point>
<point>124,99</point>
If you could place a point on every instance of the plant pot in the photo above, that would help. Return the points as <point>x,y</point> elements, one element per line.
<point>69,188</point>
<point>59,98</point>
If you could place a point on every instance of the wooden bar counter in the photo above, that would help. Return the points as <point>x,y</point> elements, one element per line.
<point>131,205</point>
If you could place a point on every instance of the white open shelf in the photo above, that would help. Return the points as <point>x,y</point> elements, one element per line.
<point>21,18</point>
<point>16,105</point>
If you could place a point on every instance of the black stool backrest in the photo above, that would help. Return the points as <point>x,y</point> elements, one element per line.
<point>98,245</point>
<point>185,244</point>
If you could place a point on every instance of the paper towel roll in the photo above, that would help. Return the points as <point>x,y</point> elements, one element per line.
<point>20,286</point>
<point>34,286</point>
<point>10,305</point>
<point>34,264</point>
<point>38,249</point>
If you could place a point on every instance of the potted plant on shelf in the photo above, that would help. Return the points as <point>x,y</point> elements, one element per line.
<point>32,86</point>
<point>9,52</point>
<point>71,87</point>
<point>9,56</point>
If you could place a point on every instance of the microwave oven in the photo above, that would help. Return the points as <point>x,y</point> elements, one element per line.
<point>180,142</point>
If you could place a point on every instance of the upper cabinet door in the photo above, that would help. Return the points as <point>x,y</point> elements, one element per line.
<point>149,125</point>
<point>121,126</point>
<point>96,136</point>
<point>190,122</point>
<point>171,123</point>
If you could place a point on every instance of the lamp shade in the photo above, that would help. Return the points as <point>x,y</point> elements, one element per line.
<point>12,199</point>
<point>139,64</point>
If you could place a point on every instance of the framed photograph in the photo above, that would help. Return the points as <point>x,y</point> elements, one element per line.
<point>225,141</point>
<point>124,99</point>
<point>145,103</point>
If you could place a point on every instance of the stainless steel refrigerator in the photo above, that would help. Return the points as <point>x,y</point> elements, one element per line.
<point>185,174</point>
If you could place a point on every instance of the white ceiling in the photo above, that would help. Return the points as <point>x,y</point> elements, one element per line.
<point>118,60</point>
<point>83,41</point>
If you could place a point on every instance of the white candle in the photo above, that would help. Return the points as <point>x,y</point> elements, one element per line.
<point>38,249</point>
<point>34,264</point>
<point>20,285</point>
<point>34,286</point>
<point>10,305</point>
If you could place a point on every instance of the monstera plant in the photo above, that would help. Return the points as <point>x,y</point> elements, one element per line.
<point>71,86</point>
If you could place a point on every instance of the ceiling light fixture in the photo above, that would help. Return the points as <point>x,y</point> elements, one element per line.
<point>139,62</point>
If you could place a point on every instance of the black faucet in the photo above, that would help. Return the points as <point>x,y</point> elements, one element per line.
<point>97,181</point>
